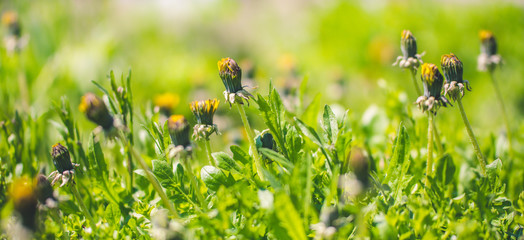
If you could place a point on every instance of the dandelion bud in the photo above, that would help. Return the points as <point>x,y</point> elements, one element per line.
<point>360,165</point>
<point>164,103</point>
<point>179,130</point>
<point>488,43</point>
<point>61,158</point>
<point>24,199</point>
<point>204,112</point>
<point>231,76</point>
<point>96,111</point>
<point>43,189</point>
<point>408,44</point>
<point>10,20</point>
<point>451,67</point>
<point>432,80</point>
<point>265,140</point>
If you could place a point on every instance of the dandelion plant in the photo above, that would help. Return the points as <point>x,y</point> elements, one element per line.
<point>455,88</point>
<point>204,112</point>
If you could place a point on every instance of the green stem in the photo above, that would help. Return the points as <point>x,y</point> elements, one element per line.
<point>82,205</point>
<point>208,151</point>
<point>150,176</point>
<point>480,157</point>
<point>415,82</point>
<point>429,166</point>
<point>503,107</point>
<point>194,182</point>
<point>55,214</point>
<point>251,139</point>
<point>440,149</point>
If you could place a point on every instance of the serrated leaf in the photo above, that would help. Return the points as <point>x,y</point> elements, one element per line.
<point>214,178</point>
<point>288,217</point>
<point>225,162</point>
<point>445,169</point>
<point>311,113</point>
<point>112,214</point>
<point>329,124</point>
<point>400,153</point>
<point>274,156</point>
<point>240,155</point>
<point>163,173</point>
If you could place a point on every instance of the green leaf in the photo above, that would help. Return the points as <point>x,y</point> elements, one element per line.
<point>240,155</point>
<point>112,214</point>
<point>309,132</point>
<point>225,162</point>
<point>163,173</point>
<point>141,179</point>
<point>274,156</point>
<point>214,178</point>
<point>329,124</point>
<point>400,153</point>
<point>311,113</point>
<point>445,169</point>
<point>288,217</point>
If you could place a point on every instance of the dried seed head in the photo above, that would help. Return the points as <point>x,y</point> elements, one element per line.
<point>488,43</point>
<point>43,189</point>
<point>265,140</point>
<point>231,74</point>
<point>179,130</point>
<point>61,158</point>
<point>452,68</point>
<point>96,111</point>
<point>25,201</point>
<point>166,102</point>
<point>408,44</point>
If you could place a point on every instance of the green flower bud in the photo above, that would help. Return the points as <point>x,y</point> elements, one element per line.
<point>265,140</point>
<point>179,130</point>
<point>24,201</point>
<point>432,80</point>
<point>96,111</point>
<point>408,44</point>
<point>204,112</point>
<point>231,75</point>
<point>452,68</point>
<point>61,158</point>
<point>488,43</point>
<point>43,189</point>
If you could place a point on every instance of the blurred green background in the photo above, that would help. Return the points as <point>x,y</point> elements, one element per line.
<point>344,48</point>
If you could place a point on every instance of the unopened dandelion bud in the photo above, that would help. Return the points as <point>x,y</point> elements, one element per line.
<point>488,43</point>
<point>164,103</point>
<point>43,189</point>
<point>432,80</point>
<point>61,158</point>
<point>96,111</point>
<point>25,201</point>
<point>408,44</point>
<point>10,21</point>
<point>360,165</point>
<point>204,112</point>
<point>265,140</point>
<point>231,76</point>
<point>179,130</point>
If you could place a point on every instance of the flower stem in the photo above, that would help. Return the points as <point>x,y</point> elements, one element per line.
<point>82,205</point>
<point>503,107</point>
<point>440,149</point>
<point>480,157</point>
<point>194,182</point>
<point>208,151</point>
<point>415,83</point>
<point>429,166</point>
<point>149,175</point>
<point>251,139</point>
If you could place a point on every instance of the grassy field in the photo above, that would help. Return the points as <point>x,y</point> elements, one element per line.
<point>318,136</point>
